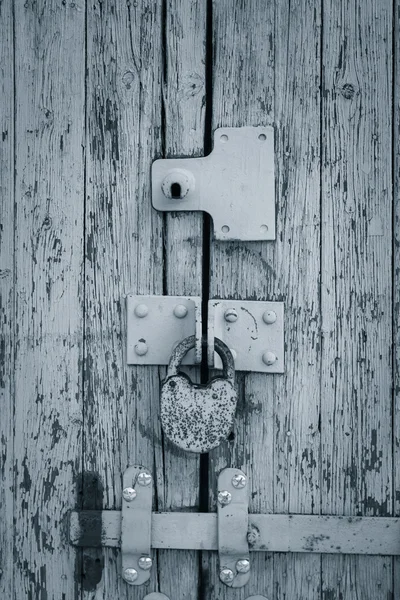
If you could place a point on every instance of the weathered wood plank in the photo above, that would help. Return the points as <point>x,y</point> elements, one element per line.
<point>267,72</point>
<point>277,533</point>
<point>356,415</point>
<point>184,113</point>
<point>6,299</point>
<point>243,94</point>
<point>49,84</point>
<point>124,253</point>
<point>396,275</point>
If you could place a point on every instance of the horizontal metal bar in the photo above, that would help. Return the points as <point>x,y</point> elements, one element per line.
<point>275,533</point>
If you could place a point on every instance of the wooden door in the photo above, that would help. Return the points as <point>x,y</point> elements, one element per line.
<point>91,94</point>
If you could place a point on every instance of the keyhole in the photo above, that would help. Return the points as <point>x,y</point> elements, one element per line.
<point>176,191</point>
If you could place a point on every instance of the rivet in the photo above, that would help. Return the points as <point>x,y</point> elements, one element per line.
<point>224,497</point>
<point>269,358</point>
<point>225,229</point>
<point>309,578</point>
<point>180,311</point>
<point>288,433</point>
<point>226,575</point>
<point>239,480</point>
<point>141,348</point>
<point>269,317</point>
<point>145,563</point>
<point>262,137</point>
<point>141,310</point>
<point>230,315</point>
<point>129,494</point>
<point>224,138</point>
<point>130,575</point>
<point>243,565</point>
<point>144,478</point>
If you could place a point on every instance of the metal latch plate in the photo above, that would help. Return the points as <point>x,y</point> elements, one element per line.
<point>253,330</point>
<point>156,324</point>
<point>235,184</point>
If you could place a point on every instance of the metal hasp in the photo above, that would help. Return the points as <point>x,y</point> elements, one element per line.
<point>253,331</point>
<point>233,523</point>
<point>137,498</point>
<point>235,184</point>
<point>156,324</point>
<point>195,417</point>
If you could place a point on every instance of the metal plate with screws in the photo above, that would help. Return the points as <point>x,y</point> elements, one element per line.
<point>137,498</point>
<point>156,324</point>
<point>235,184</point>
<point>233,519</point>
<point>253,331</point>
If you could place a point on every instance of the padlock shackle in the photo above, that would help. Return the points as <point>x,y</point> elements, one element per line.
<point>188,343</point>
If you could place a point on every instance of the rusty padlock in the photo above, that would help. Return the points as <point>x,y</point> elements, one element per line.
<point>196,417</point>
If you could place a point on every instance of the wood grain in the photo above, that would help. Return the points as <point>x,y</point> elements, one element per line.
<point>396,277</point>
<point>184,113</point>
<point>356,425</point>
<point>6,299</point>
<point>124,253</point>
<point>267,72</point>
<point>49,85</point>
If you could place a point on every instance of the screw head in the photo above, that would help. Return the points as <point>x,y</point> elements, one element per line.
<point>269,358</point>
<point>141,310</point>
<point>243,565</point>
<point>224,497</point>
<point>269,317</point>
<point>141,348</point>
<point>129,494</point>
<point>144,478</point>
<point>130,575</point>
<point>145,563</point>
<point>230,315</point>
<point>226,575</point>
<point>180,311</point>
<point>239,480</point>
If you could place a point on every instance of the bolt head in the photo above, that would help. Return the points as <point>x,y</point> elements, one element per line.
<point>243,565</point>
<point>230,315</point>
<point>141,348</point>
<point>269,358</point>
<point>269,317</point>
<point>180,311</point>
<point>129,494</point>
<point>130,575</point>
<point>145,563</point>
<point>144,478</point>
<point>224,497</point>
<point>141,310</point>
<point>239,480</point>
<point>226,575</point>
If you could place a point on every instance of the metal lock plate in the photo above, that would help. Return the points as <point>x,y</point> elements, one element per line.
<point>252,330</point>
<point>156,324</point>
<point>197,418</point>
<point>137,498</point>
<point>233,520</point>
<point>235,184</point>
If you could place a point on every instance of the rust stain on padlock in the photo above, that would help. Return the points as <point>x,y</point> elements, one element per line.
<point>195,417</point>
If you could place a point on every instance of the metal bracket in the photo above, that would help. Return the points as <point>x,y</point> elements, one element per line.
<point>252,330</point>
<point>157,324</point>
<point>235,184</point>
<point>137,498</point>
<point>233,521</point>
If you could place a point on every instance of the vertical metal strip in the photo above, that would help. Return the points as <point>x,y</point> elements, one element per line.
<point>233,520</point>
<point>137,497</point>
